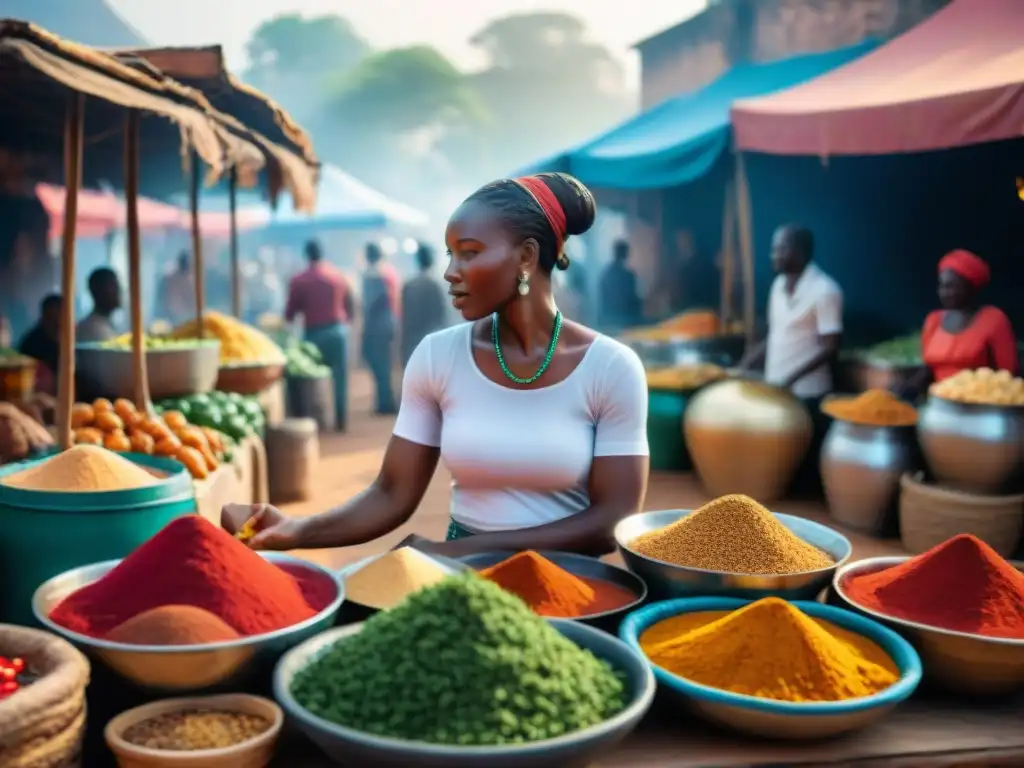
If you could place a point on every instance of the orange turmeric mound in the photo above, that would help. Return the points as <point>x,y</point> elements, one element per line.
<point>546,588</point>
<point>873,408</point>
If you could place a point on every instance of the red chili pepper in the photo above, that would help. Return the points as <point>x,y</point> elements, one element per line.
<point>4,662</point>
<point>18,665</point>
<point>8,673</point>
<point>9,687</point>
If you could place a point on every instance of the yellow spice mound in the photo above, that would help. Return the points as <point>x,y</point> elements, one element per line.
<point>386,581</point>
<point>83,468</point>
<point>772,650</point>
<point>733,534</point>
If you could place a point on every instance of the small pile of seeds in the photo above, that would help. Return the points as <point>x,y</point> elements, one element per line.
<point>195,729</point>
<point>732,534</point>
<point>461,663</point>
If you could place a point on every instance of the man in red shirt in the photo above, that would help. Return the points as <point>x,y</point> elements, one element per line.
<point>323,297</point>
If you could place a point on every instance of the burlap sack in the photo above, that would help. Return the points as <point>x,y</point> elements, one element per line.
<point>42,726</point>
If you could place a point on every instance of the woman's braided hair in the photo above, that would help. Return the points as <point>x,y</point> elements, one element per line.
<point>523,217</point>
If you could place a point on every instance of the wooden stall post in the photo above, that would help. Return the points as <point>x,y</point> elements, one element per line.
<point>73,141</point>
<point>198,268</point>
<point>236,276</point>
<point>745,221</point>
<point>140,391</point>
<point>728,255</point>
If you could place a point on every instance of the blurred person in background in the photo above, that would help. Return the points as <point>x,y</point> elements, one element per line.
<point>424,303</point>
<point>105,289</point>
<point>261,289</point>
<point>323,297</point>
<point>42,343</point>
<point>380,323</point>
<point>176,298</point>
<point>618,298</point>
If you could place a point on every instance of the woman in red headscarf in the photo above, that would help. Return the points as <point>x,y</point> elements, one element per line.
<point>963,334</point>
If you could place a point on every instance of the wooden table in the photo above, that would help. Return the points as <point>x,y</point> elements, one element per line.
<point>927,732</point>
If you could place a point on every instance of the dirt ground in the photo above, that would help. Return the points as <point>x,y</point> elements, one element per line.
<point>350,461</point>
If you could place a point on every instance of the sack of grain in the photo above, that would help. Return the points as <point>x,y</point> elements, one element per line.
<point>44,723</point>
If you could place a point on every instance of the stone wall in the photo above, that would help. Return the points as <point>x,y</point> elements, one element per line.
<point>692,54</point>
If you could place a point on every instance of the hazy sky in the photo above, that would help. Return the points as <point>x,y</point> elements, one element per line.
<point>446,24</point>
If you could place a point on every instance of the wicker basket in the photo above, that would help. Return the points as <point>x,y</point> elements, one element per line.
<point>930,515</point>
<point>44,724</point>
<point>248,379</point>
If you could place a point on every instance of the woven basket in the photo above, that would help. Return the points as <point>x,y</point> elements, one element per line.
<point>248,379</point>
<point>43,725</point>
<point>930,515</point>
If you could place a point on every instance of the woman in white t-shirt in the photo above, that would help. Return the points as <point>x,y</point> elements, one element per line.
<point>541,422</point>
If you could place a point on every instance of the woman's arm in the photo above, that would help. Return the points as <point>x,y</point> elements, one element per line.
<point>1003,344</point>
<point>617,488</point>
<point>387,503</point>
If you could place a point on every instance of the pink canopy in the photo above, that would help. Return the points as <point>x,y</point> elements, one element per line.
<point>955,79</point>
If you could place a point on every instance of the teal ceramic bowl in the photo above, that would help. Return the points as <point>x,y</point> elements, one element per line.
<point>780,719</point>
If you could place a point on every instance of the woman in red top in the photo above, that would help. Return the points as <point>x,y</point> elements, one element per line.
<point>963,335</point>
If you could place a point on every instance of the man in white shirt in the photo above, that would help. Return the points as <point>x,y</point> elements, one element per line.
<point>805,319</point>
<point>805,326</point>
<point>98,325</point>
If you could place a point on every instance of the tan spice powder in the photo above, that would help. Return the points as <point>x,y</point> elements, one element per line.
<point>83,468</point>
<point>389,579</point>
<point>732,534</point>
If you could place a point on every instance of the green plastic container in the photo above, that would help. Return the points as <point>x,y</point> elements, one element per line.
<point>45,533</point>
<point>665,410</point>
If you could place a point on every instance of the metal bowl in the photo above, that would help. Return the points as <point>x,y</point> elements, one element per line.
<point>781,719</point>
<point>580,565</point>
<point>957,661</point>
<point>668,580</point>
<point>970,447</point>
<point>183,668</point>
<point>724,350</point>
<point>573,750</point>
<point>172,372</point>
<point>858,375</point>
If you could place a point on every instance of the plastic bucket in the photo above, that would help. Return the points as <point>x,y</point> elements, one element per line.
<point>665,409</point>
<point>45,533</point>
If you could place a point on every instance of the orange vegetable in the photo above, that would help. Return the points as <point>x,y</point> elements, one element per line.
<point>102,405</point>
<point>193,461</point>
<point>108,421</point>
<point>141,442</point>
<point>175,420</point>
<point>117,440</point>
<point>214,438</point>
<point>88,436</point>
<point>82,415</point>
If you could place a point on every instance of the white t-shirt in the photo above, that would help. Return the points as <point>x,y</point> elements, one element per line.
<point>796,323</point>
<point>521,458</point>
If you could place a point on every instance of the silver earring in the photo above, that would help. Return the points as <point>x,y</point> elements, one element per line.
<point>524,284</point>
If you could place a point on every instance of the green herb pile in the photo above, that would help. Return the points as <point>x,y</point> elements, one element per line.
<point>460,663</point>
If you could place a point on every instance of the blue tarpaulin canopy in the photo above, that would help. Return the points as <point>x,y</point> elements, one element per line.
<point>680,139</point>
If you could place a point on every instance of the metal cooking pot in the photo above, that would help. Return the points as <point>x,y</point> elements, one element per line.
<point>861,468</point>
<point>747,437</point>
<point>975,448</point>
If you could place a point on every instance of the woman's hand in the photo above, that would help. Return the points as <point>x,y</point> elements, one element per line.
<point>273,529</point>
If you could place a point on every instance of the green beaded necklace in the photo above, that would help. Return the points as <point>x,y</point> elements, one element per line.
<point>547,358</point>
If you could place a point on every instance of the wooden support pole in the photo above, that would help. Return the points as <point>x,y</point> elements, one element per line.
<point>728,255</point>
<point>746,227</point>
<point>140,390</point>
<point>198,267</point>
<point>74,129</point>
<point>236,273</point>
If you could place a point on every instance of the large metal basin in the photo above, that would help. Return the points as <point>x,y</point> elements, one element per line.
<point>975,448</point>
<point>861,467</point>
<point>723,350</point>
<point>184,668</point>
<point>960,662</point>
<point>105,372</point>
<point>666,580</point>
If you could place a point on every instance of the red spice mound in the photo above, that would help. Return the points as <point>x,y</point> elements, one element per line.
<point>546,588</point>
<point>962,585</point>
<point>190,562</point>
